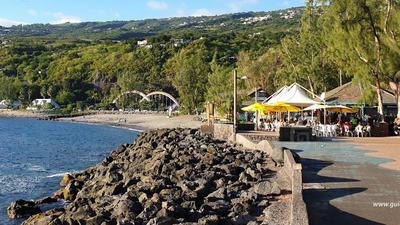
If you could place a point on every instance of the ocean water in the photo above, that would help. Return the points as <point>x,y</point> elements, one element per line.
<point>34,155</point>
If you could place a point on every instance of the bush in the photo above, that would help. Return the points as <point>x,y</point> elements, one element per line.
<point>48,106</point>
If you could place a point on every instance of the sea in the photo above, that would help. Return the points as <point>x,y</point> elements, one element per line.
<point>34,155</point>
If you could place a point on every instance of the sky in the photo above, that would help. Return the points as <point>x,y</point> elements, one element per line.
<point>14,12</point>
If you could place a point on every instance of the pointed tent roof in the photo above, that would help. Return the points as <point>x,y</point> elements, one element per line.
<point>274,98</point>
<point>295,95</point>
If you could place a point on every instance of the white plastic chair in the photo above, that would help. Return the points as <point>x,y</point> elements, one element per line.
<point>368,131</point>
<point>359,131</point>
<point>322,130</point>
<point>331,130</point>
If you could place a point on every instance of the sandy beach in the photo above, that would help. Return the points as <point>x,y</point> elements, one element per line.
<point>134,121</point>
<point>381,147</point>
<point>138,121</point>
<point>20,113</point>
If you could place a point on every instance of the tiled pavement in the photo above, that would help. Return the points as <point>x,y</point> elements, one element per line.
<point>341,184</point>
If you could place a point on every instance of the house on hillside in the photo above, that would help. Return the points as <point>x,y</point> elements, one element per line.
<point>43,104</point>
<point>6,104</point>
<point>142,43</point>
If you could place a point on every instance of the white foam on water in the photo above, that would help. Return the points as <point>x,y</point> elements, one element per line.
<point>58,174</point>
<point>36,168</point>
<point>128,128</point>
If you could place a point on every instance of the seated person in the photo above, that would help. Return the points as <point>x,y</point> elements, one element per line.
<point>367,129</point>
<point>396,126</point>
<point>340,127</point>
<point>347,129</point>
<point>354,121</point>
<point>262,125</point>
<point>268,126</point>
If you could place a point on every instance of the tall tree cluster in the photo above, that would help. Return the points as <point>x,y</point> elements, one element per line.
<point>339,41</point>
<point>365,35</point>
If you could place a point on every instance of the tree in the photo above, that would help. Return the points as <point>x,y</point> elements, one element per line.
<point>261,70</point>
<point>188,71</point>
<point>357,28</point>
<point>220,87</point>
<point>391,40</point>
<point>303,55</point>
<point>9,88</point>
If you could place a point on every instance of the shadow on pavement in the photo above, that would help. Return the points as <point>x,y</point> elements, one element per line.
<point>319,209</point>
<point>311,167</point>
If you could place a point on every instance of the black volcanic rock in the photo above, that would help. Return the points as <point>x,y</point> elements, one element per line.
<point>22,208</point>
<point>177,176</point>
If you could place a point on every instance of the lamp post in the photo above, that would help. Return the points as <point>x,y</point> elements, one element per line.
<point>234,104</point>
<point>235,78</point>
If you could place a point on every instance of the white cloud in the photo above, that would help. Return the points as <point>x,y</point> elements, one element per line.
<point>9,23</point>
<point>203,12</point>
<point>61,18</point>
<point>285,3</point>
<point>32,12</point>
<point>157,5</point>
<point>236,6</point>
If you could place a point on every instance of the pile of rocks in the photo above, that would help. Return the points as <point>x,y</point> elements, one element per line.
<point>177,176</point>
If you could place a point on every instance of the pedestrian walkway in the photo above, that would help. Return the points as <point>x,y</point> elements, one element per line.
<point>342,185</point>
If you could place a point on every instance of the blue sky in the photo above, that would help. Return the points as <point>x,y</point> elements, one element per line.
<point>14,12</point>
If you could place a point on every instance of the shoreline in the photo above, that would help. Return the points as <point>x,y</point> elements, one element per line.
<point>133,121</point>
<point>8,113</point>
<point>120,126</point>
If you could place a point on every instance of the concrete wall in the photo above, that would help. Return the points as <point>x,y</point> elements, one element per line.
<point>223,131</point>
<point>292,171</point>
<point>262,145</point>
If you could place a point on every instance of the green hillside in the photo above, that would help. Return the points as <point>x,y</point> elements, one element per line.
<point>277,21</point>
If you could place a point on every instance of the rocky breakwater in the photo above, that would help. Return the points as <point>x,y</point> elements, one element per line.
<point>177,176</point>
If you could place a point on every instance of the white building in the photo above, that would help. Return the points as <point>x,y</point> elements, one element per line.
<point>38,103</point>
<point>3,104</point>
<point>142,43</point>
<point>6,104</point>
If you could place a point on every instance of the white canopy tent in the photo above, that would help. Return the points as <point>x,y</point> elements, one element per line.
<point>295,95</point>
<point>274,98</point>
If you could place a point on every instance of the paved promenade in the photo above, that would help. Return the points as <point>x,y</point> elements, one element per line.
<point>344,185</point>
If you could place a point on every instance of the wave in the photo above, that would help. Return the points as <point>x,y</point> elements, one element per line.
<point>128,128</point>
<point>58,174</point>
<point>35,168</point>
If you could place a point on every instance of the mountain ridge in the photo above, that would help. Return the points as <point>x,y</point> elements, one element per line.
<point>123,30</point>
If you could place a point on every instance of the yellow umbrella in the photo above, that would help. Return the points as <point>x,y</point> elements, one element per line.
<point>281,107</point>
<point>254,107</point>
<point>341,109</point>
